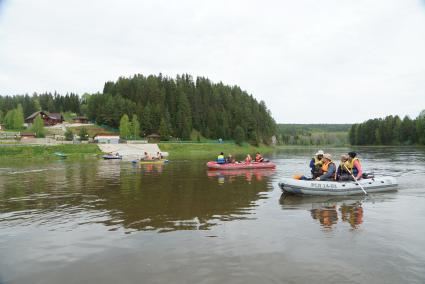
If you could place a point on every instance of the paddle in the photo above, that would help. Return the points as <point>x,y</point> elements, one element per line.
<point>355,179</point>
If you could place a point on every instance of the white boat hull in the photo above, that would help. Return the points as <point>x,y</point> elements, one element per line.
<point>334,188</point>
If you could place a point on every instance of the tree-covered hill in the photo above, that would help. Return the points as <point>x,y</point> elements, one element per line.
<point>171,107</point>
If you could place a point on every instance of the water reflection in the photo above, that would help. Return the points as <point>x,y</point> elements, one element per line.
<point>123,196</point>
<point>328,211</point>
<point>232,175</point>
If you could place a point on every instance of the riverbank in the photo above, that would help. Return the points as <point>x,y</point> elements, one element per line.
<point>211,150</point>
<point>47,152</point>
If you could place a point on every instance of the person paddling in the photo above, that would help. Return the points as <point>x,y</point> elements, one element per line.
<point>316,164</point>
<point>354,165</point>
<point>342,174</point>
<point>328,169</point>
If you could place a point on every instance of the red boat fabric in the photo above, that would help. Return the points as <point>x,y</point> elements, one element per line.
<point>237,166</point>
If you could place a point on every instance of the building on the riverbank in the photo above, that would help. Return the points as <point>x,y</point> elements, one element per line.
<point>107,139</point>
<point>80,119</point>
<point>48,118</point>
<point>154,138</point>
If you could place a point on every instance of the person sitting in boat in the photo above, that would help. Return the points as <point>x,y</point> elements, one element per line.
<point>158,156</point>
<point>248,159</point>
<point>259,158</point>
<point>342,174</point>
<point>316,164</point>
<point>328,169</point>
<point>146,157</point>
<point>354,165</point>
<point>221,159</point>
<point>230,159</point>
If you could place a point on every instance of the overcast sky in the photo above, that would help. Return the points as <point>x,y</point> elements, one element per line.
<point>311,61</point>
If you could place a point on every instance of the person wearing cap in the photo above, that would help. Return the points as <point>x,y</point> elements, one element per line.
<point>354,165</point>
<point>328,168</point>
<point>342,172</point>
<point>316,164</point>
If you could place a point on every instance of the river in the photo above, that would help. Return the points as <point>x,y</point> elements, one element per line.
<point>98,221</point>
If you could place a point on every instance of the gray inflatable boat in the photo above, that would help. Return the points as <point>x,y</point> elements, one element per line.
<point>335,188</point>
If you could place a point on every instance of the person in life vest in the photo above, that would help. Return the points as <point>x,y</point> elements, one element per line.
<point>259,158</point>
<point>328,168</point>
<point>342,174</point>
<point>221,159</point>
<point>354,165</point>
<point>316,164</point>
<point>248,159</point>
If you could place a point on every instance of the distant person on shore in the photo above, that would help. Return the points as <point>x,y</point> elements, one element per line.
<point>354,165</point>
<point>248,159</point>
<point>328,169</point>
<point>259,158</point>
<point>316,164</point>
<point>221,159</point>
<point>342,174</point>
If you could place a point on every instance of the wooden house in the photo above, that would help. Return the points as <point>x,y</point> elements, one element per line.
<point>48,118</point>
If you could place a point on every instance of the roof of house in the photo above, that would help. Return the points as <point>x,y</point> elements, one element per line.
<point>53,115</point>
<point>35,114</point>
<point>154,135</point>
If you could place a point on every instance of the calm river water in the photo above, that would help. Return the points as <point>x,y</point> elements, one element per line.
<point>112,222</point>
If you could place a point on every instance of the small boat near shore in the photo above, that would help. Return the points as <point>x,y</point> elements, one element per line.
<point>60,154</point>
<point>112,157</point>
<point>336,188</point>
<point>239,166</point>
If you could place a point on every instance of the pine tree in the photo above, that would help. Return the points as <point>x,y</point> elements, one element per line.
<point>124,127</point>
<point>38,127</point>
<point>84,136</point>
<point>135,127</point>
<point>239,135</point>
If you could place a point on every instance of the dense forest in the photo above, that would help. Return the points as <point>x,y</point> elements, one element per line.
<point>313,134</point>
<point>389,131</point>
<point>164,105</point>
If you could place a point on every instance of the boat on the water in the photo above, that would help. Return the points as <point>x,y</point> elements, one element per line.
<point>162,161</point>
<point>212,165</point>
<point>337,188</point>
<point>60,154</point>
<point>112,157</point>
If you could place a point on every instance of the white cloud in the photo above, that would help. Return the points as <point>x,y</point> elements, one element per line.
<point>310,61</point>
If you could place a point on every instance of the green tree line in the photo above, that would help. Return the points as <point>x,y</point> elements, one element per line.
<point>392,130</point>
<point>313,134</point>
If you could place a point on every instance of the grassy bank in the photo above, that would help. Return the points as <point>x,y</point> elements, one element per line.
<point>47,152</point>
<point>210,150</point>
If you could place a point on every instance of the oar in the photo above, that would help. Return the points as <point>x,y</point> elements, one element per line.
<point>358,183</point>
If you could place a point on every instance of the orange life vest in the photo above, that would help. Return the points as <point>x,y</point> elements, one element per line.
<point>325,168</point>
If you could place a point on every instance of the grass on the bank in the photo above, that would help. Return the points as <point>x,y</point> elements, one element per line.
<point>47,152</point>
<point>211,150</point>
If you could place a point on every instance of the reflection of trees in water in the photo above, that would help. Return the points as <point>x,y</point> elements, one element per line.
<point>325,209</point>
<point>119,195</point>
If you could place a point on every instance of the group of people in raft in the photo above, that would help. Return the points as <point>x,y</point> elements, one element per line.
<point>324,169</point>
<point>231,159</point>
<point>148,157</point>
